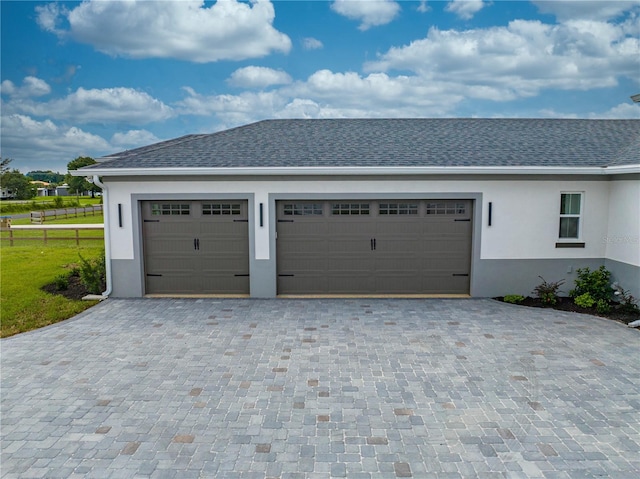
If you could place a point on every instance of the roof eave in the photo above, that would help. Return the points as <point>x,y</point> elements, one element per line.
<point>356,170</point>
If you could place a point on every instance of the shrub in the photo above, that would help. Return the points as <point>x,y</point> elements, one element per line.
<point>513,298</point>
<point>61,282</point>
<point>603,306</point>
<point>548,292</point>
<point>584,300</point>
<point>58,202</point>
<point>596,283</point>
<point>93,273</point>
<point>627,302</point>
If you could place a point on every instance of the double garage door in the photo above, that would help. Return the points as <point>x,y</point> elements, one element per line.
<point>322,247</point>
<point>374,247</point>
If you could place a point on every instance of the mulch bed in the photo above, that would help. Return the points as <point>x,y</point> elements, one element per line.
<point>567,304</point>
<point>76,289</point>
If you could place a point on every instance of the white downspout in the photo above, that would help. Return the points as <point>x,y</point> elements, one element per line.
<point>107,241</point>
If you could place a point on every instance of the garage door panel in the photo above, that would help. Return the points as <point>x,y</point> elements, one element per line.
<point>348,227</point>
<point>304,246</point>
<point>303,284</point>
<point>384,251</point>
<point>225,283</point>
<point>351,283</point>
<point>195,247</point>
<point>174,283</point>
<point>349,263</point>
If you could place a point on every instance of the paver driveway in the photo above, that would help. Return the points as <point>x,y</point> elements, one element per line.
<point>358,388</point>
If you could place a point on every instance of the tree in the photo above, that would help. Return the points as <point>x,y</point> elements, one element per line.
<point>78,183</point>
<point>48,176</point>
<point>4,165</point>
<point>19,185</point>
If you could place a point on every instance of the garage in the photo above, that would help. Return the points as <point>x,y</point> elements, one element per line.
<point>195,247</point>
<point>373,247</point>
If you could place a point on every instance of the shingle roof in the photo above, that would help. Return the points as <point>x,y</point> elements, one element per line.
<point>397,143</point>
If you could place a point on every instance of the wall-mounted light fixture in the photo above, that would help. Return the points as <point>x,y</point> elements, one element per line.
<point>261,215</point>
<point>490,212</point>
<point>120,215</point>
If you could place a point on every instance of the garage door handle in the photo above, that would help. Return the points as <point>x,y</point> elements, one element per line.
<point>374,244</point>
<point>460,274</point>
<point>154,275</point>
<point>196,244</point>
<point>286,275</point>
<point>240,275</point>
<point>468,219</point>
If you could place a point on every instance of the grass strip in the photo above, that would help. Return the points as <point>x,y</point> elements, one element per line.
<point>24,269</point>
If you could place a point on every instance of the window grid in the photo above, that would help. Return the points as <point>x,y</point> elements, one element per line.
<point>570,214</point>
<point>350,209</point>
<point>303,209</point>
<point>170,209</point>
<point>398,209</point>
<point>219,209</point>
<point>446,208</point>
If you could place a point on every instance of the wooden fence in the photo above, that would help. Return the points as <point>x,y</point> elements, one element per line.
<point>11,237</point>
<point>39,217</point>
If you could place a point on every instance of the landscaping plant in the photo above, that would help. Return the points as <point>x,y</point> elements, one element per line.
<point>548,292</point>
<point>627,302</point>
<point>93,273</point>
<point>584,300</point>
<point>596,283</point>
<point>513,298</point>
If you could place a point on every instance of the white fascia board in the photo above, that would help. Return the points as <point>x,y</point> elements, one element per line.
<point>371,170</point>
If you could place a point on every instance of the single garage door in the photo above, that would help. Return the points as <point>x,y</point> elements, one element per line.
<point>374,247</point>
<point>196,247</point>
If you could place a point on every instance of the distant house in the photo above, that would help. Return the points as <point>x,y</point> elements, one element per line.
<point>62,190</point>
<point>43,188</point>
<point>467,207</point>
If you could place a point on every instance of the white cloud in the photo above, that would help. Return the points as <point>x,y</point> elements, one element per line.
<point>622,111</point>
<point>423,7</point>
<point>258,77</point>
<point>465,9</point>
<point>45,145</point>
<point>580,9</point>
<point>371,13</point>
<point>520,60</point>
<point>98,106</point>
<point>134,138</point>
<point>311,43</point>
<point>31,87</point>
<point>185,30</point>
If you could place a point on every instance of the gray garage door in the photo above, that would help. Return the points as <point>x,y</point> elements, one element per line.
<point>196,247</point>
<point>374,247</point>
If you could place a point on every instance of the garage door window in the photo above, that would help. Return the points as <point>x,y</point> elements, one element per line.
<point>302,209</point>
<point>170,209</point>
<point>398,209</point>
<point>350,209</point>
<point>446,208</point>
<point>221,209</point>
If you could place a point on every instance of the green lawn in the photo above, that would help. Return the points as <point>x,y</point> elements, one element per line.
<point>9,207</point>
<point>29,265</point>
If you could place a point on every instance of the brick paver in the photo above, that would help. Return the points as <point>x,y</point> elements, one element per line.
<point>357,388</point>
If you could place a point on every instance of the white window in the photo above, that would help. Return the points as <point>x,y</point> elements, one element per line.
<point>570,216</point>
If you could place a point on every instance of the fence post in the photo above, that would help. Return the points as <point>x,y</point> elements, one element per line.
<point>10,238</point>
<point>45,236</point>
<point>77,237</point>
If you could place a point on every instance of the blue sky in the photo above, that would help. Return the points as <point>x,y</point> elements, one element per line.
<point>99,77</point>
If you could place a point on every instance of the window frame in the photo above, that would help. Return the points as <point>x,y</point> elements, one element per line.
<point>579,216</point>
